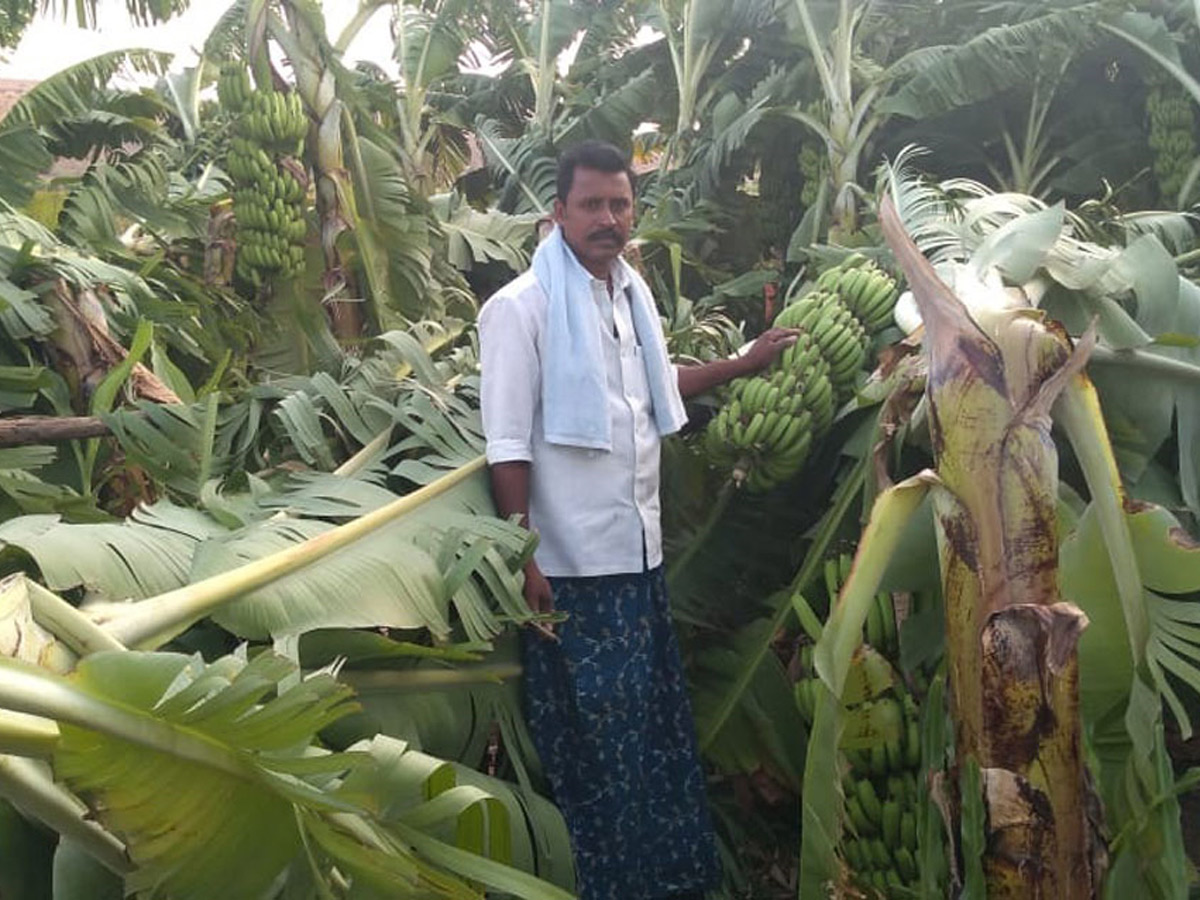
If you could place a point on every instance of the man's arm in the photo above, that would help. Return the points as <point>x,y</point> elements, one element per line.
<point>765,350</point>
<point>510,490</point>
<point>508,395</point>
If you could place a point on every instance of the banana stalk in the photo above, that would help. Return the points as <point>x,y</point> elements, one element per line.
<point>336,206</point>
<point>1011,643</point>
<point>154,621</point>
<point>851,119</point>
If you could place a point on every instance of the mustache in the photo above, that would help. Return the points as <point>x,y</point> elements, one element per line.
<point>606,234</point>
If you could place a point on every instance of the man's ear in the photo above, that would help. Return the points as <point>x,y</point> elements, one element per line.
<point>559,209</point>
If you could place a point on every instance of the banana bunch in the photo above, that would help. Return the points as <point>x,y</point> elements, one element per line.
<point>771,422</point>
<point>881,750</point>
<point>766,430</point>
<point>867,291</point>
<point>834,330</point>
<point>274,120</point>
<point>1172,128</point>
<point>270,184</point>
<point>233,87</point>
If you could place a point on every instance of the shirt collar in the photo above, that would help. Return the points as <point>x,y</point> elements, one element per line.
<point>619,275</point>
<point>617,272</point>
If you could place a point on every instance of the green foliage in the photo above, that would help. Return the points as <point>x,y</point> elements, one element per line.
<point>752,148</point>
<point>234,801</point>
<point>254,794</point>
<point>1002,58</point>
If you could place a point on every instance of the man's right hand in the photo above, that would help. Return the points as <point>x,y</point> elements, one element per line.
<point>538,594</point>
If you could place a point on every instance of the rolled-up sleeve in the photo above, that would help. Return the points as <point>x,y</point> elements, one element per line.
<point>510,378</point>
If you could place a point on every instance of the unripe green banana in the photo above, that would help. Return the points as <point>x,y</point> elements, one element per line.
<point>863,826</point>
<point>854,855</point>
<point>814,375</point>
<point>908,830</point>
<point>850,287</point>
<point>879,854</point>
<point>753,392</point>
<point>773,431</point>
<point>912,744</point>
<point>894,748</point>
<point>865,792</point>
<point>805,699</point>
<point>755,426</point>
<point>890,822</point>
<point>879,760</point>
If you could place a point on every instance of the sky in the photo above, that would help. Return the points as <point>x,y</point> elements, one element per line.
<point>50,44</point>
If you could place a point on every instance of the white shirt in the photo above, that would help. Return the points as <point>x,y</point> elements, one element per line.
<point>594,510</point>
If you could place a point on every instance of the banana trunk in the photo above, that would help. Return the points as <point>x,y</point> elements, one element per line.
<point>1011,642</point>
<point>335,198</point>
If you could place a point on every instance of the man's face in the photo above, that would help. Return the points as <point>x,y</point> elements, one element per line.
<point>596,217</point>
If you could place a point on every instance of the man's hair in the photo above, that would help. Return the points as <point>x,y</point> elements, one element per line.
<point>598,155</point>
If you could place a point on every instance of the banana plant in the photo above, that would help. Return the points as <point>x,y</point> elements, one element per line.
<point>859,98</point>
<point>585,76</point>
<point>430,41</point>
<point>996,371</point>
<point>1045,259</point>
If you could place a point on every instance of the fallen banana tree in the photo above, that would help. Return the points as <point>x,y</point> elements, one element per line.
<point>95,733</point>
<point>1020,812</point>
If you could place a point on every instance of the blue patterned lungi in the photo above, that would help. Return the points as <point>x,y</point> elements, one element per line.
<point>609,715</point>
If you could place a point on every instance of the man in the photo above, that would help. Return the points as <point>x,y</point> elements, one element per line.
<point>577,392</point>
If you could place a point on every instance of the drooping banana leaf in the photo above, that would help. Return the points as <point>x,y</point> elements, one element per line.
<point>23,157</point>
<point>182,447</point>
<point>146,555</point>
<point>227,823</point>
<point>475,237</point>
<point>1169,563</point>
<point>395,247</point>
<point>937,79</point>
<point>404,576</point>
<point>73,90</point>
<point>441,552</point>
<point>250,793</point>
<point>464,807</point>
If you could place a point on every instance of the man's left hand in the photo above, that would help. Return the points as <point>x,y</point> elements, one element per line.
<point>767,347</point>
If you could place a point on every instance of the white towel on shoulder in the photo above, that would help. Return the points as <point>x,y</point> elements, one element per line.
<point>574,393</point>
